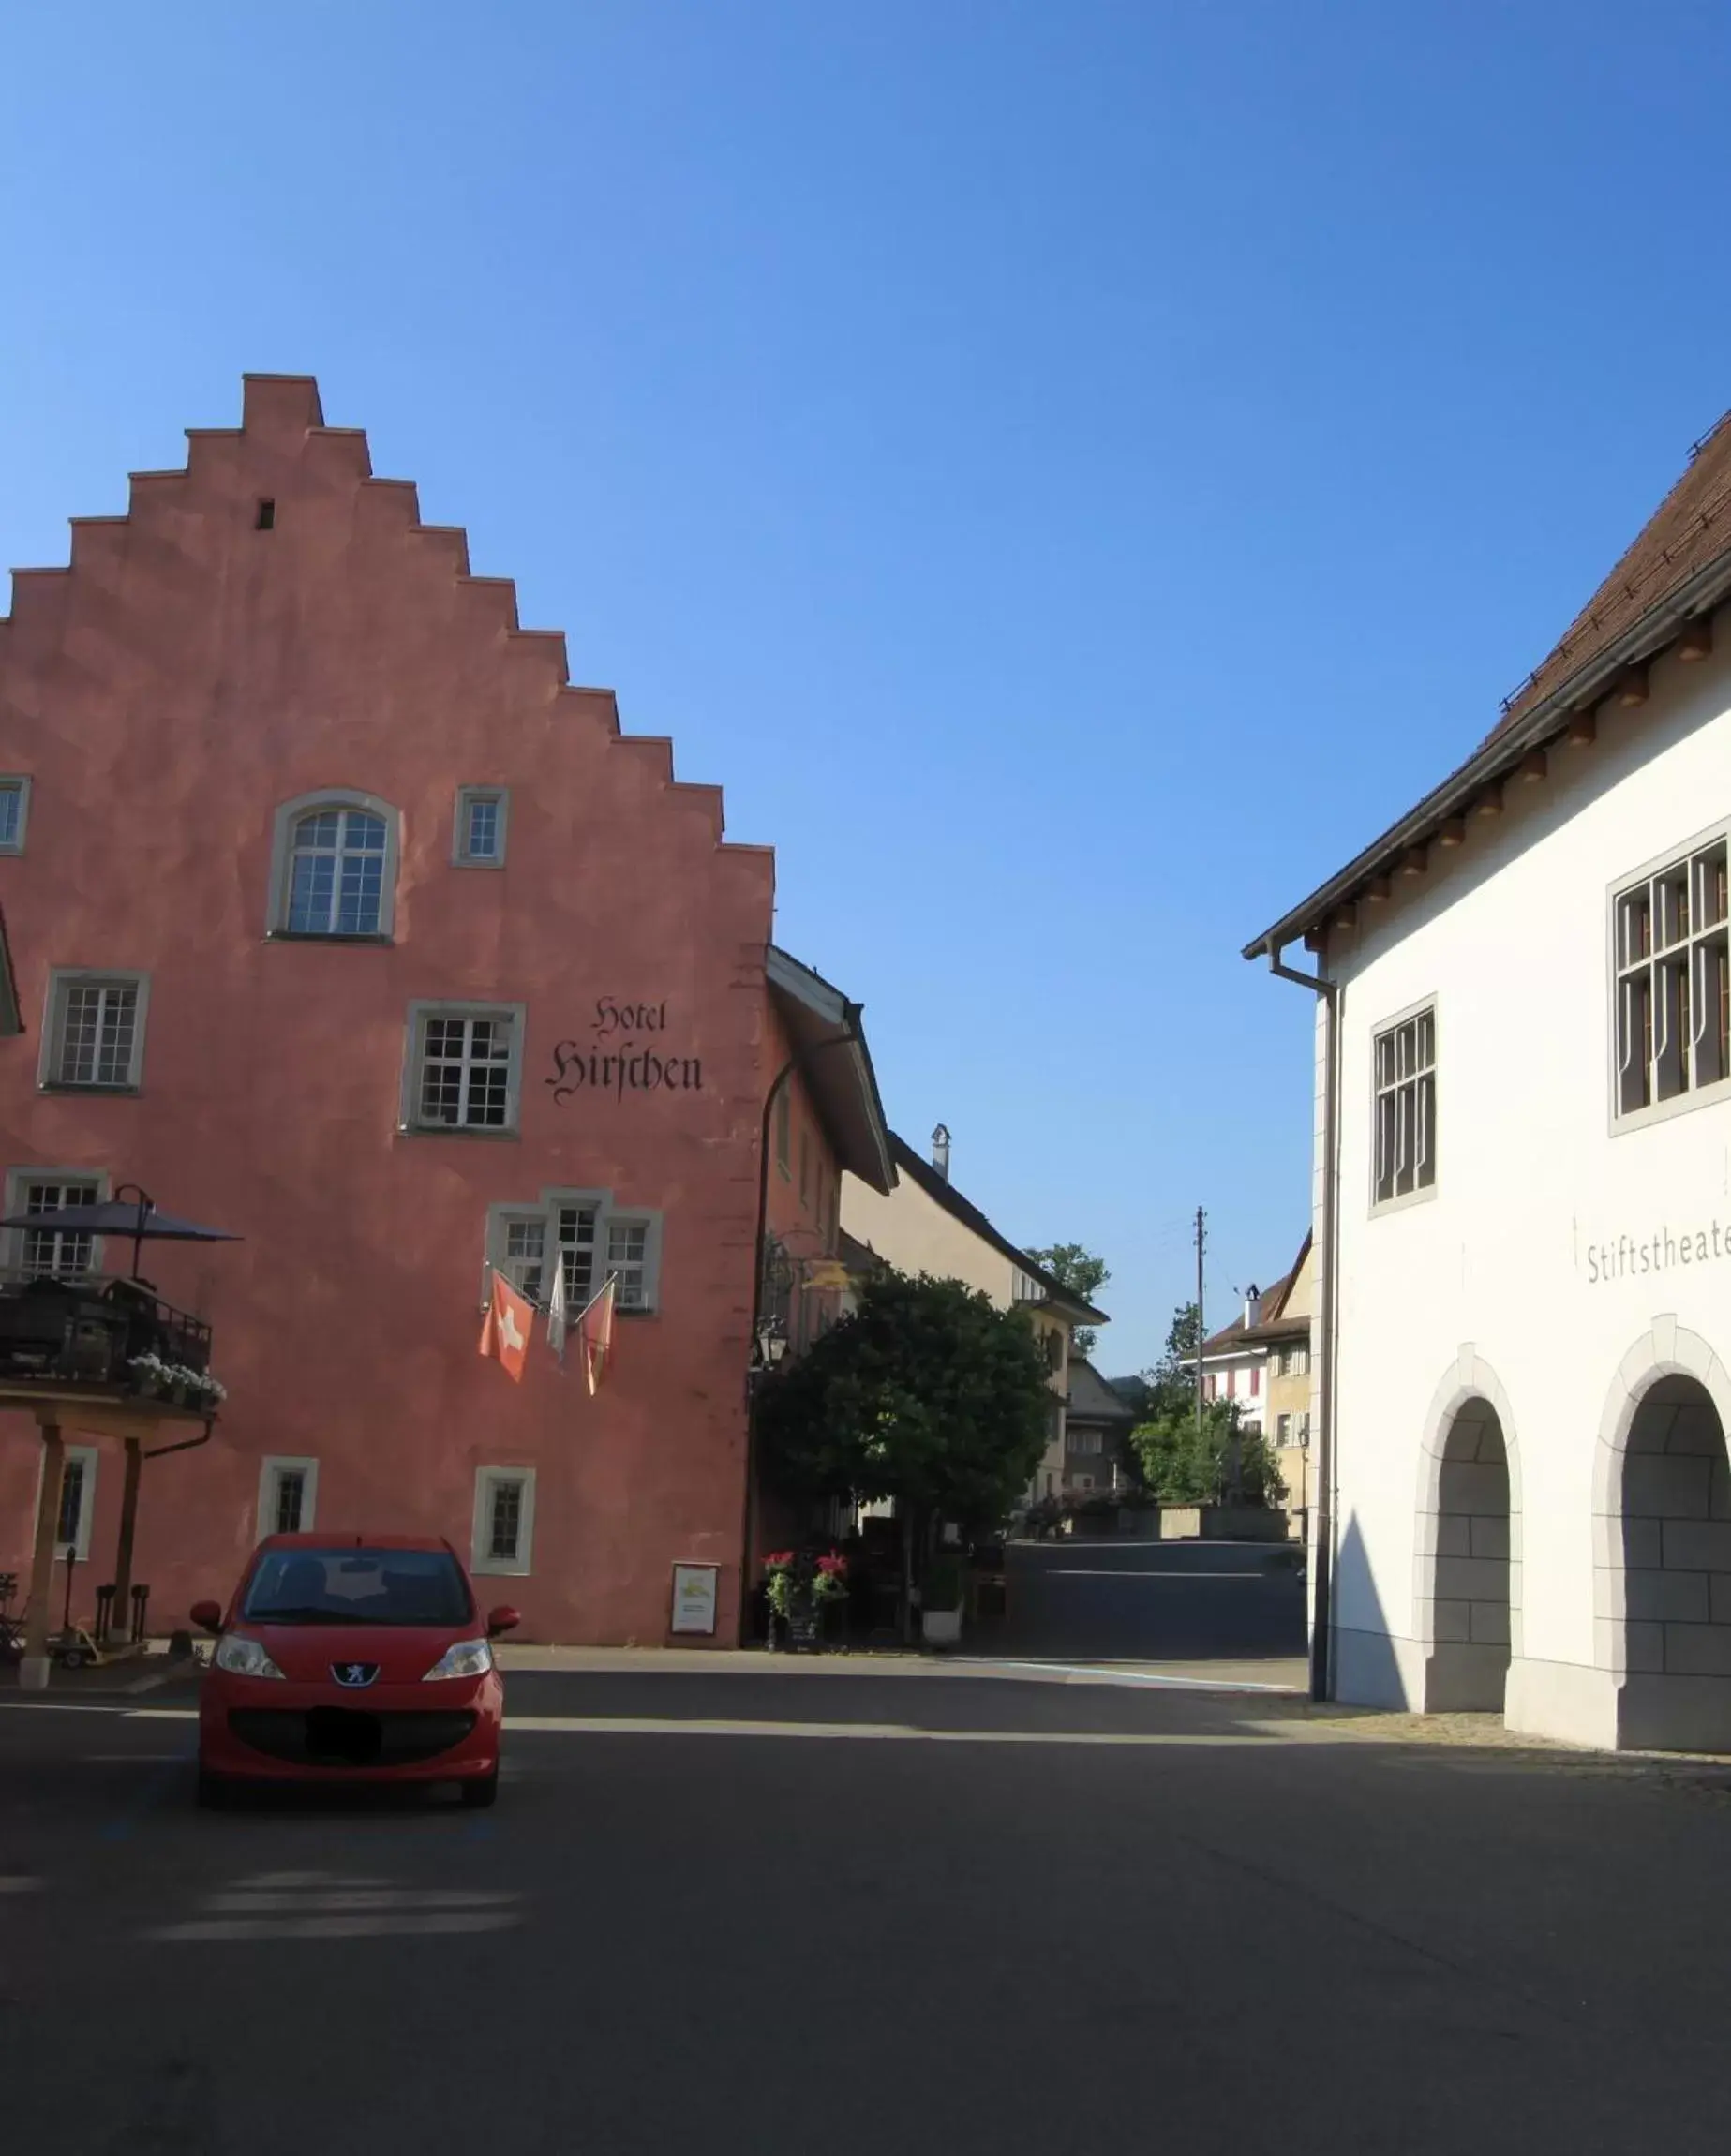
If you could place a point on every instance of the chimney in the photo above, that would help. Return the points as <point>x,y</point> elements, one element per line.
<point>940,1150</point>
<point>1253,1305</point>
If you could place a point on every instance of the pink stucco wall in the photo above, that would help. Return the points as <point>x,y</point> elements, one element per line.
<point>188,674</point>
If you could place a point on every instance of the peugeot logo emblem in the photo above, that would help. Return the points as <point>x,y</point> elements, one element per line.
<point>354,1674</point>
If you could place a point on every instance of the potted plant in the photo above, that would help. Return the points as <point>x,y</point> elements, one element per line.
<point>151,1375</point>
<point>779,1587</point>
<point>940,1602</point>
<point>828,1589</point>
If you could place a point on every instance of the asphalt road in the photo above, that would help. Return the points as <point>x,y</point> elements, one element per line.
<point>847,1911</point>
<point>1152,1601</point>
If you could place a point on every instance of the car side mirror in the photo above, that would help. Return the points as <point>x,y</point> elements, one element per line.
<point>207,1616</point>
<point>504,1619</point>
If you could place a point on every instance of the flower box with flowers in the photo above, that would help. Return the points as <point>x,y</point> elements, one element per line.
<point>802,1591</point>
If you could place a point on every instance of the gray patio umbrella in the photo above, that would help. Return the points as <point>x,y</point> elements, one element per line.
<point>137,1215</point>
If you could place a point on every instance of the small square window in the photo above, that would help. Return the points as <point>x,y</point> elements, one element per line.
<point>464,1067</point>
<point>482,813</point>
<point>95,1037</point>
<point>14,813</point>
<point>504,1523</point>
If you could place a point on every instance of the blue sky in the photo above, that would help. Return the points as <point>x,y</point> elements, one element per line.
<point>1073,472</point>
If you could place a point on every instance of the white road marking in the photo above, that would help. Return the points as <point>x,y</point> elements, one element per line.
<point>17,1883</point>
<point>1111,1676</point>
<point>129,1758</point>
<point>325,1905</point>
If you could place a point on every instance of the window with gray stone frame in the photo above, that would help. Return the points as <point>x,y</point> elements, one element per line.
<point>93,1040</point>
<point>1404,1123</point>
<point>14,812</point>
<point>504,1538</point>
<point>463,1069</point>
<point>1671,989</point>
<point>596,1241</point>
<point>483,813</point>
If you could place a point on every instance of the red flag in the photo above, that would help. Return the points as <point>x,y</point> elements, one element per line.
<point>595,1336</point>
<point>505,1333</point>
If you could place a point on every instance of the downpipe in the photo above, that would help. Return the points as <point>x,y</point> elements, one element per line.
<point>1322,1549</point>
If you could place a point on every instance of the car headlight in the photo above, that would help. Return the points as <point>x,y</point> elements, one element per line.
<point>244,1658</point>
<point>468,1658</point>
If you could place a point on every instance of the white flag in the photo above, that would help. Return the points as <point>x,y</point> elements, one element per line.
<point>556,1309</point>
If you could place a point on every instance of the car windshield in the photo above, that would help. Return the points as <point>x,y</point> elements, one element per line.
<point>357,1586</point>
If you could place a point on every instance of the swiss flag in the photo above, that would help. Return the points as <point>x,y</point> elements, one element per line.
<point>505,1333</point>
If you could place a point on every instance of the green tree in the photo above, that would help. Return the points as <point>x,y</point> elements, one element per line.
<point>1184,1465</point>
<point>1083,1274</point>
<point>927,1394</point>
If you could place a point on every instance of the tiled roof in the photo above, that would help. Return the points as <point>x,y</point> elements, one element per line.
<point>1237,1334</point>
<point>943,1192</point>
<point>1689,527</point>
<point>1679,567</point>
<point>1091,1399</point>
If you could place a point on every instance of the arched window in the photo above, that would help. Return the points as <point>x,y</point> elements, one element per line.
<point>334,867</point>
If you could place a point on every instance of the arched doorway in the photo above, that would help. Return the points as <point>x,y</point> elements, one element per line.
<point>1670,1585</point>
<point>1467,1665</point>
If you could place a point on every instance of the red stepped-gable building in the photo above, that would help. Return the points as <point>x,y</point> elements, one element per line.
<point>338,917</point>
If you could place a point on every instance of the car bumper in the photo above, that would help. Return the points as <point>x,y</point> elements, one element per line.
<point>261,1729</point>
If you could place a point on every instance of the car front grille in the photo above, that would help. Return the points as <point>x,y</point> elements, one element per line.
<point>349,1737</point>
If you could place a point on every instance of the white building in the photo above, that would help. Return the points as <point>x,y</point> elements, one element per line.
<point>1234,1364</point>
<point>1522,1382</point>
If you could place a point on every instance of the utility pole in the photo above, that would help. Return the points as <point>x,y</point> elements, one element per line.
<point>1200,1334</point>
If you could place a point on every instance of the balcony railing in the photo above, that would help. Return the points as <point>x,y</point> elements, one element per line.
<point>88,1330</point>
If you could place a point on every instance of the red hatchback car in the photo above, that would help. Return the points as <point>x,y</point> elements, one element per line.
<point>352,1659</point>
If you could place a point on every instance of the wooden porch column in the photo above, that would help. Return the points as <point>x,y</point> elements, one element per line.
<point>120,1615</point>
<point>33,1669</point>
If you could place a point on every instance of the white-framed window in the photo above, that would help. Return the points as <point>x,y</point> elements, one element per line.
<point>463,1071</point>
<point>1671,1020</point>
<point>1295,1360</point>
<point>14,812</point>
<point>94,1036</point>
<point>505,1524</point>
<point>76,1511</point>
<point>593,1240</point>
<point>51,1253</point>
<point>288,1496</point>
<point>334,859</point>
<point>1283,1429</point>
<point>1083,1441</point>
<point>478,841</point>
<point>1404,1081</point>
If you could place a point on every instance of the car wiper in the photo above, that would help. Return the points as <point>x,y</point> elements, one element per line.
<point>295,1615</point>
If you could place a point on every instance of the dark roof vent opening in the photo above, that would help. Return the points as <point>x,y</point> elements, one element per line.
<point>940,1150</point>
<point>267,516</point>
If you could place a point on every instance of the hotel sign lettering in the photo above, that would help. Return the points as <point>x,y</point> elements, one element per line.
<point>615,1061</point>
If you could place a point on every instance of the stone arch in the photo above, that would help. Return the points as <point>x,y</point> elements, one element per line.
<point>1661,1542</point>
<point>1466,1559</point>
